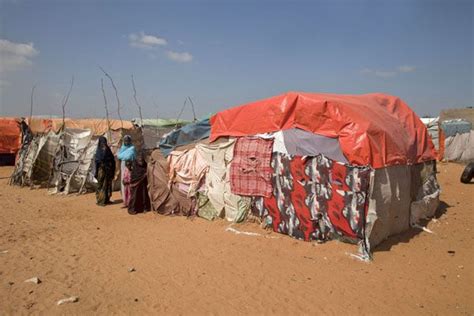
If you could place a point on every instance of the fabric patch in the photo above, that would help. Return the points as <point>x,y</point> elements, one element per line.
<point>250,170</point>
<point>219,156</point>
<point>316,198</point>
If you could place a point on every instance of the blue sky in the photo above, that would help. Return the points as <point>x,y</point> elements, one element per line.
<point>224,53</point>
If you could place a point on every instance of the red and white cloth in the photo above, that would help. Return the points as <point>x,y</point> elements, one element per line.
<point>250,170</point>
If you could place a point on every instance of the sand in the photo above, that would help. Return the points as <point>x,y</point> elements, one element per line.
<point>185,266</point>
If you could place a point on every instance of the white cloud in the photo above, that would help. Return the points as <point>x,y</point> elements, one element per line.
<point>388,73</point>
<point>406,68</point>
<point>143,40</point>
<point>184,57</point>
<point>14,56</point>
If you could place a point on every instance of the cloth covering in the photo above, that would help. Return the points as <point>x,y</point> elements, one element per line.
<point>164,199</point>
<point>205,208</point>
<point>315,198</point>
<point>10,135</point>
<point>185,135</point>
<point>104,187</point>
<point>104,156</point>
<point>459,147</point>
<point>373,129</point>
<point>98,127</point>
<point>299,142</point>
<point>105,171</point>
<point>453,127</point>
<point>127,153</point>
<point>139,199</point>
<point>187,167</point>
<point>250,170</point>
<point>219,156</point>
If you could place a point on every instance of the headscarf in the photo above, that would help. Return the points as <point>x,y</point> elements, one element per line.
<point>127,152</point>
<point>103,153</point>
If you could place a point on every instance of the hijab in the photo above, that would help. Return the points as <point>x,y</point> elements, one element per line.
<point>103,153</point>
<point>127,152</point>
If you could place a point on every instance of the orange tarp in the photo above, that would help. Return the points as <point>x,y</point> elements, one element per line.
<point>97,126</point>
<point>10,135</point>
<point>373,129</point>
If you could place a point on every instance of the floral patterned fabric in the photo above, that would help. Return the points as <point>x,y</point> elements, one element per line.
<point>316,198</point>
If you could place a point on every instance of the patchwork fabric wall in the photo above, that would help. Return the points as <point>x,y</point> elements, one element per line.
<point>316,198</point>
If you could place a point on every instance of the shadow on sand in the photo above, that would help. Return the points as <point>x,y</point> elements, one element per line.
<point>405,237</point>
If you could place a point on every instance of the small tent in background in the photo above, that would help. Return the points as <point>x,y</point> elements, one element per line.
<point>10,140</point>
<point>60,157</point>
<point>432,125</point>
<point>456,135</point>
<point>154,129</point>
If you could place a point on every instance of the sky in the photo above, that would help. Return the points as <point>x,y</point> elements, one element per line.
<point>225,53</point>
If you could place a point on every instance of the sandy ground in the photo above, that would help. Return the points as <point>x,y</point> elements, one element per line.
<point>194,266</point>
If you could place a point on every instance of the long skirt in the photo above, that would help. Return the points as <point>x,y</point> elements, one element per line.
<point>125,188</point>
<point>139,199</point>
<point>104,189</point>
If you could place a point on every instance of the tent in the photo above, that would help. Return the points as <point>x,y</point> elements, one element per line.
<point>432,125</point>
<point>456,135</point>
<point>185,135</point>
<point>154,129</point>
<point>73,167</point>
<point>359,168</point>
<point>10,140</point>
<point>61,157</point>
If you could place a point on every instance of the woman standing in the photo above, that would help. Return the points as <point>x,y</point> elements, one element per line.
<point>104,172</point>
<point>126,154</point>
<point>139,199</point>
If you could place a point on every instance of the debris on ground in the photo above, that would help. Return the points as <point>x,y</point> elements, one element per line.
<point>34,280</point>
<point>72,299</point>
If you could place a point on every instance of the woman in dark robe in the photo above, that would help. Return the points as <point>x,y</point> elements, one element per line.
<point>139,199</point>
<point>104,172</point>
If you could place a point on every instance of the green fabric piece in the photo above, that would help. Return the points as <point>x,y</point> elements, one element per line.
<point>243,207</point>
<point>205,208</point>
<point>161,122</point>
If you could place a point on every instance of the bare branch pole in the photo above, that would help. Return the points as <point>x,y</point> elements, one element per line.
<point>66,99</point>
<point>31,101</point>
<point>192,107</point>
<point>106,108</point>
<point>116,94</point>
<point>136,101</point>
<point>181,112</point>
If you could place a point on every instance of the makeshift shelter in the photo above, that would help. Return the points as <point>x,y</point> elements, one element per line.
<point>36,157</point>
<point>432,125</point>
<point>61,158</point>
<point>73,169</point>
<point>314,166</point>
<point>187,134</point>
<point>10,140</point>
<point>154,129</point>
<point>456,130</point>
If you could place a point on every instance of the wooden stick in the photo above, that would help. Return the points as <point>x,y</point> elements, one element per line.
<point>136,101</point>
<point>65,100</point>
<point>116,94</point>
<point>106,109</point>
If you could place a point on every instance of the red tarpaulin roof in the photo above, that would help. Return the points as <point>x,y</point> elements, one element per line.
<point>10,135</point>
<point>373,129</point>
